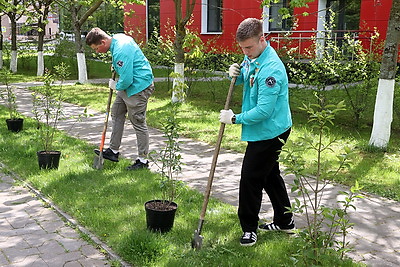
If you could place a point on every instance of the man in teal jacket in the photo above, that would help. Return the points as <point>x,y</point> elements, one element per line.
<point>265,119</point>
<point>134,87</point>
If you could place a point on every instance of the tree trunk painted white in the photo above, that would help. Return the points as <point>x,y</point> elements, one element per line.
<point>82,72</point>
<point>40,64</point>
<point>13,61</point>
<point>320,42</point>
<point>1,59</point>
<point>177,85</point>
<point>383,114</point>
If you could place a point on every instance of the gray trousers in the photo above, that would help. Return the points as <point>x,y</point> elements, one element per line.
<point>135,106</point>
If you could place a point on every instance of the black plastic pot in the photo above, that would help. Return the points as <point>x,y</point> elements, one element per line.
<point>159,219</point>
<point>15,125</point>
<point>48,159</point>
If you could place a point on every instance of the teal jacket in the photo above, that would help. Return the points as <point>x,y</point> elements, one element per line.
<point>133,68</point>
<point>265,104</point>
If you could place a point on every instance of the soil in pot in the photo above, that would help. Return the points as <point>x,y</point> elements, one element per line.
<point>48,159</point>
<point>15,125</point>
<point>160,217</point>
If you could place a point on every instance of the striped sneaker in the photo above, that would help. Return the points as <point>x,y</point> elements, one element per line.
<point>248,239</point>
<point>289,228</point>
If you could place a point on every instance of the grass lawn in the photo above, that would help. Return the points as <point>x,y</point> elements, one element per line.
<point>96,69</point>
<point>377,171</point>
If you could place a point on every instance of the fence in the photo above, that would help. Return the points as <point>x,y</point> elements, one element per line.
<point>302,40</point>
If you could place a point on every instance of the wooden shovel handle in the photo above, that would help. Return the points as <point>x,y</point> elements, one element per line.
<point>216,152</point>
<point>103,134</point>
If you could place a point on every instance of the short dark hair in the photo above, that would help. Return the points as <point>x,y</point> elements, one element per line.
<point>95,36</point>
<point>249,28</point>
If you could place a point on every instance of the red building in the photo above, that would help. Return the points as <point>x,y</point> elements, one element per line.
<point>217,20</point>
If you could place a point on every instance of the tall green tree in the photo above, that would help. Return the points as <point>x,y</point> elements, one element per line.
<point>108,17</point>
<point>1,42</point>
<point>42,10</point>
<point>182,16</point>
<point>14,9</point>
<point>383,113</point>
<point>80,11</point>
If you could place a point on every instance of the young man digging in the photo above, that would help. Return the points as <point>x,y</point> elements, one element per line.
<point>265,119</point>
<point>134,87</point>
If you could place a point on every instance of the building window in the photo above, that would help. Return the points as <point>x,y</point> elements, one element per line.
<point>273,19</point>
<point>153,18</point>
<point>347,14</point>
<point>211,16</point>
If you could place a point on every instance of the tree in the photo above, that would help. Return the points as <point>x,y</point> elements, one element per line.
<point>80,12</point>
<point>1,44</point>
<point>14,9</point>
<point>109,17</point>
<point>182,16</point>
<point>383,112</point>
<point>42,9</point>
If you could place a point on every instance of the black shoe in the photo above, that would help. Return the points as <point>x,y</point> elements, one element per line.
<point>108,154</point>
<point>138,165</point>
<point>289,228</point>
<point>248,239</point>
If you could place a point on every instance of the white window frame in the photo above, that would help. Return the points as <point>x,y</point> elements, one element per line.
<point>266,22</point>
<point>265,18</point>
<point>204,18</point>
<point>147,20</point>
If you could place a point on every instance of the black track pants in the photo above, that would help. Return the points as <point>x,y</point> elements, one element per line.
<point>260,170</point>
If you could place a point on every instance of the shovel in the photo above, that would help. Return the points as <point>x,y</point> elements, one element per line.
<point>197,238</point>
<point>99,160</point>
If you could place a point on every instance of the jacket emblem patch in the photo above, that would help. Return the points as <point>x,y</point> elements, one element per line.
<point>270,81</point>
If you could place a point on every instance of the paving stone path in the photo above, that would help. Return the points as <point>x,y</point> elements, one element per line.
<point>32,234</point>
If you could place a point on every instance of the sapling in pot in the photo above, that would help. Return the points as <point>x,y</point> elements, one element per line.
<point>168,161</point>
<point>48,111</point>
<point>14,122</point>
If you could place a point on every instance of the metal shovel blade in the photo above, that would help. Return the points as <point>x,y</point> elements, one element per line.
<point>98,161</point>
<point>197,240</point>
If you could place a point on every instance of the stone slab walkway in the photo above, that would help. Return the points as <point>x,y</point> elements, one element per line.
<point>32,234</point>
